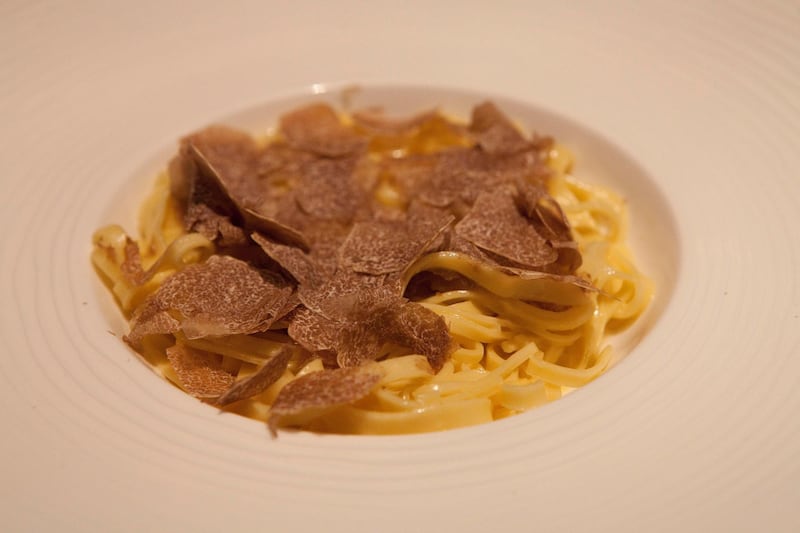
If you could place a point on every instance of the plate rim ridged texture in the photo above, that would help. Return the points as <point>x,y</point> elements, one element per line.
<point>696,430</point>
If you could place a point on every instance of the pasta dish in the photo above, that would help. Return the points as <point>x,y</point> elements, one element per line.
<point>361,273</point>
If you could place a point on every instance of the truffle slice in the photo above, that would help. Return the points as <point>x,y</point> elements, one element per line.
<point>551,223</point>
<point>424,332</point>
<point>495,133</point>
<point>316,392</point>
<point>296,262</point>
<point>215,171</point>
<point>328,190</point>
<point>316,128</point>
<point>360,339</point>
<point>217,227</point>
<point>386,247</point>
<point>286,312</point>
<point>314,331</point>
<point>448,181</point>
<point>234,156</point>
<point>223,296</point>
<point>338,294</point>
<point>402,323</point>
<point>215,179</point>
<point>459,176</point>
<point>410,174</point>
<point>258,382</point>
<point>207,208</point>
<point>377,247</point>
<point>535,202</point>
<point>200,373</point>
<point>495,225</point>
<point>326,238</point>
<point>149,319</point>
<point>234,152</point>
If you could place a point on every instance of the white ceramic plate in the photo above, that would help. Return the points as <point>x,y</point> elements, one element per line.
<point>691,111</point>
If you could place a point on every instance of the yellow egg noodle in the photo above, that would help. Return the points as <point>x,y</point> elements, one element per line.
<point>510,355</point>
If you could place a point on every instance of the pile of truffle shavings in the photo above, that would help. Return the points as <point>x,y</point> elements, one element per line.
<point>303,244</point>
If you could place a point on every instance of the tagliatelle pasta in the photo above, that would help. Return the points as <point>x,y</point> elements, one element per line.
<point>356,274</point>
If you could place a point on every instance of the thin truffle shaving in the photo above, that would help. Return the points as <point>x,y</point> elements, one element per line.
<point>372,274</point>
<point>495,225</point>
<point>222,296</point>
<point>317,391</point>
<point>495,133</point>
<point>257,383</point>
<point>317,129</point>
<point>201,373</point>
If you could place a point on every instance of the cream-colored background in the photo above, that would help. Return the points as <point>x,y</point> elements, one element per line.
<point>696,430</point>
